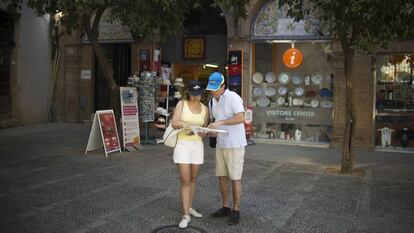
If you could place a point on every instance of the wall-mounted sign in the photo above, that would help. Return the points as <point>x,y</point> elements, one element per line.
<point>144,59</point>
<point>235,71</point>
<point>194,48</point>
<point>292,58</point>
<point>293,115</point>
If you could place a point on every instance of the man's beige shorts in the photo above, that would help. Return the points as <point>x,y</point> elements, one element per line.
<point>229,162</point>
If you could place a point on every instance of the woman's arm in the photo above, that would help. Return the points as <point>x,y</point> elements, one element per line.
<point>176,119</point>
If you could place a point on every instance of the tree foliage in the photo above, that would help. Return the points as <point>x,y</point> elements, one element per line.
<point>364,24</point>
<point>361,26</point>
<point>236,8</point>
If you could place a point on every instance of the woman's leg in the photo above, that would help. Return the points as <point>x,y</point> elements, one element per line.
<point>185,186</point>
<point>194,172</point>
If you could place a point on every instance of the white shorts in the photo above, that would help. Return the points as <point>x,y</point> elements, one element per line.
<point>189,152</point>
<point>229,162</point>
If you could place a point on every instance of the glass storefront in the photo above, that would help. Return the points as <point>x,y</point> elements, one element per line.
<point>292,105</point>
<point>394,120</point>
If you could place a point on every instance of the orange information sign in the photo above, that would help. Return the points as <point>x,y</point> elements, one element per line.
<point>292,58</point>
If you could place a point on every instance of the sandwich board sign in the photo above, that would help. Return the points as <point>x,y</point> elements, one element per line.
<point>104,133</point>
<point>130,123</point>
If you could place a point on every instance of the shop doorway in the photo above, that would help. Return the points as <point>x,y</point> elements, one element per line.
<point>6,42</point>
<point>120,58</point>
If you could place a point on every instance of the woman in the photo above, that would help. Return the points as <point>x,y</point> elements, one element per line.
<point>189,151</point>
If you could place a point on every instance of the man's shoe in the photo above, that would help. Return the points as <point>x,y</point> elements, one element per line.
<point>194,213</point>
<point>234,218</point>
<point>225,211</point>
<point>184,222</point>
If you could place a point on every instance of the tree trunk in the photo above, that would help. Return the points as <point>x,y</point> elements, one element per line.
<point>236,26</point>
<point>347,151</point>
<point>107,69</point>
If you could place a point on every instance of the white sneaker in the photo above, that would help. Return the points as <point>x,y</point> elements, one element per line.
<point>194,213</point>
<point>184,222</point>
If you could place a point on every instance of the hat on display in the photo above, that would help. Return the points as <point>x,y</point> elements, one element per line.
<point>195,88</point>
<point>166,82</point>
<point>179,82</point>
<point>214,81</point>
<point>177,95</point>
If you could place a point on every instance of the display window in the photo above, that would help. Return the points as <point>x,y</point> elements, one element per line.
<point>292,96</point>
<point>394,120</point>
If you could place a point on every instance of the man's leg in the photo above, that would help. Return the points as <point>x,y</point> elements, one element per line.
<point>222,173</point>
<point>224,190</point>
<point>236,188</point>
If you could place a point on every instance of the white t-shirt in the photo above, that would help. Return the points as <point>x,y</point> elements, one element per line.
<point>229,104</point>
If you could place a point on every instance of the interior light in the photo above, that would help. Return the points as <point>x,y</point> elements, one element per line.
<point>211,65</point>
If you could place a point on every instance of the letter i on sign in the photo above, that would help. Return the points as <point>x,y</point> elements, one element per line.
<point>292,58</point>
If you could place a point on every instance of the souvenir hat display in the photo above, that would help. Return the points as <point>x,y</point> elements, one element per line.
<point>161,111</point>
<point>257,78</point>
<point>179,82</point>
<point>270,77</point>
<point>177,95</point>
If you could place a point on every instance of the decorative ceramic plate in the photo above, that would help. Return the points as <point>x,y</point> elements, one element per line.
<point>326,104</point>
<point>298,101</point>
<point>316,78</point>
<point>281,100</point>
<point>263,102</point>
<point>270,91</point>
<point>314,103</point>
<point>299,91</point>
<point>257,77</point>
<point>283,78</point>
<point>270,77</point>
<point>282,90</point>
<point>310,93</point>
<point>325,92</point>
<point>257,91</point>
<point>296,79</point>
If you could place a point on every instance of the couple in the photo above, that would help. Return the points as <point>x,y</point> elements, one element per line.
<point>226,107</point>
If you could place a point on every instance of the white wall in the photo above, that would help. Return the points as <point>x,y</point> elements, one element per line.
<point>33,65</point>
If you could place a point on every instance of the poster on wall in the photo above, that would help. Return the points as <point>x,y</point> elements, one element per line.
<point>156,61</point>
<point>144,59</point>
<point>130,122</point>
<point>104,133</point>
<point>235,70</point>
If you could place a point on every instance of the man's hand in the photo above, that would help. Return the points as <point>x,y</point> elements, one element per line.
<point>214,125</point>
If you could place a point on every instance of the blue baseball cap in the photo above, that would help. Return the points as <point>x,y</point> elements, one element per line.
<point>214,81</point>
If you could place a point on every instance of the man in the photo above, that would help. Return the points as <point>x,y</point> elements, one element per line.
<point>228,111</point>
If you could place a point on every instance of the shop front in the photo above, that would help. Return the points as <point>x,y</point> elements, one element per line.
<point>394,115</point>
<point>292,82</point>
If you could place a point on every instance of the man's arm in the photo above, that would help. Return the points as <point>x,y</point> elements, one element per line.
<point>237,119</point>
